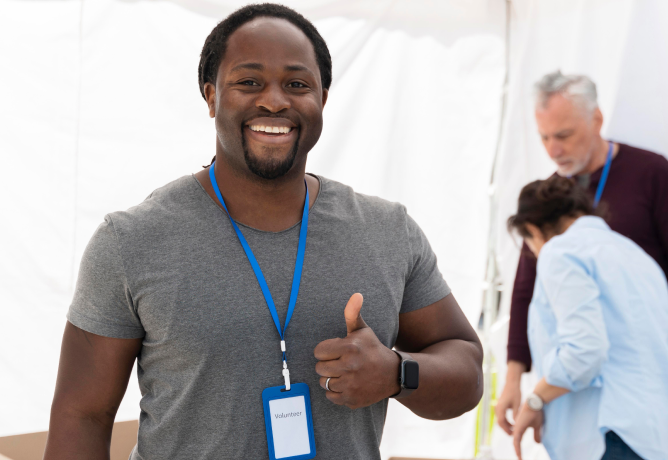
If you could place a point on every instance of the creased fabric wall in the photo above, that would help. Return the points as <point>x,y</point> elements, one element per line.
<point>620,44</point>
<point>100,105</point>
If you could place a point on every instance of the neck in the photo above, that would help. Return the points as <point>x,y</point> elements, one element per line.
<point>566,222</point>
<point>599,155</point>
<point>268,205</point>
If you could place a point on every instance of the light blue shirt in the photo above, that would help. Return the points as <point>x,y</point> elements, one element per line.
<point>598,326</point>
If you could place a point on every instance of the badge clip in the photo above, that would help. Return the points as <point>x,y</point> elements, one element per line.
<point>286,376</point>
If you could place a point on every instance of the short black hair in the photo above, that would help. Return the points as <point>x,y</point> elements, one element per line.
<point>216,43</point>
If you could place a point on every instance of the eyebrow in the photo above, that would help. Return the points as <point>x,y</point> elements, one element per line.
<point>258,66</point>
<point>249,65</point>
<point>564,132</point>
<point>297,68</point>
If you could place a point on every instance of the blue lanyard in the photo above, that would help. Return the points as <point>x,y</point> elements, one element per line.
<point>296,279</point>
<point>604,176</point>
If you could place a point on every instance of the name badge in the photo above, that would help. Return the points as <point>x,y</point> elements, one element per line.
<point>288,421</point>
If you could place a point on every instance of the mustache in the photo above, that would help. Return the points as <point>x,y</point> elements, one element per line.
<point>270,115</point>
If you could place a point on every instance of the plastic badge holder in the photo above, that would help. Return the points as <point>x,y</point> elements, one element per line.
<point>276,394</point>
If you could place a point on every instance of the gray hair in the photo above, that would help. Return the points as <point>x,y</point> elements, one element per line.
<point>579,88</point>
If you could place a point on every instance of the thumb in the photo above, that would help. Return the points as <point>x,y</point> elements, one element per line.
<point>353,314</point>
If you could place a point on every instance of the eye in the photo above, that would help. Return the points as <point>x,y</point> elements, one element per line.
<point>248,83</point>
<point>297,84</point>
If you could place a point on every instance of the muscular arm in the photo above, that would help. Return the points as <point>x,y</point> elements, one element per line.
<point>441,340</point>
<point>93,375</point>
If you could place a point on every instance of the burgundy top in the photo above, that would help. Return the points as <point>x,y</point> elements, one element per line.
<point>636,200</point>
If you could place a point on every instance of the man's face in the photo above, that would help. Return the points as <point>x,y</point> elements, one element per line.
<point>568,133</point>
<point>268,98</point>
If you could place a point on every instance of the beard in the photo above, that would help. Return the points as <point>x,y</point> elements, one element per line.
<point>577,166</point>
<point>269,168</point>
<point>573,169</point>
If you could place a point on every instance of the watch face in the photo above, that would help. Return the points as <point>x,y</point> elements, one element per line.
<point>410,375</point>
<point>534,402</point>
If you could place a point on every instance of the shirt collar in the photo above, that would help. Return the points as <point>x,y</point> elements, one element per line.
<point>588,222</point>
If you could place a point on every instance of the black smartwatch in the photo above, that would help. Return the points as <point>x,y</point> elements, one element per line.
<point>409,374</point>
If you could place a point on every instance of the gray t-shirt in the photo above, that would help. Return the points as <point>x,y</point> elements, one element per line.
<point>172,271</point>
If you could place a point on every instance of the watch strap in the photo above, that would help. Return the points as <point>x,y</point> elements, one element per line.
<point>403,392</point>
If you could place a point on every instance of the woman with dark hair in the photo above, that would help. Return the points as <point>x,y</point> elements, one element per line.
<point>598,333</point>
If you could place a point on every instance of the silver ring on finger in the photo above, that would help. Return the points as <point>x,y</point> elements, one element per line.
<point>327,384</point>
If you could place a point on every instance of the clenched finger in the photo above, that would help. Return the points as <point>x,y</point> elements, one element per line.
<point>536,432</point>
<point>333,368</point>
<point>329,349</point>
<point>503,420</point>
<point>336,398</point>
<point>332,384</point>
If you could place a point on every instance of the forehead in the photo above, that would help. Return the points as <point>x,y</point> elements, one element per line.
<point>559,109</point>
<point>271,42</point>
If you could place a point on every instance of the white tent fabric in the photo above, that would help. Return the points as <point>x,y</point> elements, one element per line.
<point>99,105</point>
<point>102,102</point>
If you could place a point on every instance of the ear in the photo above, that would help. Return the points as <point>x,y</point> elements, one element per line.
<point>535,232</point>
<point>597,119</point>
<point>536,241</point>
<point>210,95</point>
<point>325,95</point>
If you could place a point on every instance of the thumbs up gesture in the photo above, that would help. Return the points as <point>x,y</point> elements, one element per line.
<point>361,370</point>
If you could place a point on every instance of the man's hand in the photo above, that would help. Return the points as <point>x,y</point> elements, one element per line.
<point>511,396</point>
<point>363,371</point>
<point>527,418</point>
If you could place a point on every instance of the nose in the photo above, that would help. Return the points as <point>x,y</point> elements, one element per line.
<point>273,99</point>
<point>554,148</point>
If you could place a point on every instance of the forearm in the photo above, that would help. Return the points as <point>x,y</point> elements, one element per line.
<point>76,436</point>
<point>549,392</point>
<point>525,278</point>
<point>514,372</point>
<point>451,380</point>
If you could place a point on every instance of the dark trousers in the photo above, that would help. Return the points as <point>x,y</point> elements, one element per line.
<point>617,449</point>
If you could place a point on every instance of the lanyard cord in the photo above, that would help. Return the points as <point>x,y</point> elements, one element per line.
<point>604,176</point>
<point>299,264</point>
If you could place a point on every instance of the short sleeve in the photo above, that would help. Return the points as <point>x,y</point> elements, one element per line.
<point>102,301</point>
<point>424,283</point>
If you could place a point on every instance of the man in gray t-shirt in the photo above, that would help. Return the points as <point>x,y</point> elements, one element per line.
<point>168,283</point>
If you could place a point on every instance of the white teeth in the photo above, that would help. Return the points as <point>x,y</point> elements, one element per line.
<point>271,129</point>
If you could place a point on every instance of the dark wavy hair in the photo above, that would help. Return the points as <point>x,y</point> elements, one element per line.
<point>544,202</point>
<point>215,44</point>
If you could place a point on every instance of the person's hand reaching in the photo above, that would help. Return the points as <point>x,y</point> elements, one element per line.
<point>511,396</point>
<point>527,418</point>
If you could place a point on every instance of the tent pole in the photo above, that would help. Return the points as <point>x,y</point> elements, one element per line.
<point>492,285</point>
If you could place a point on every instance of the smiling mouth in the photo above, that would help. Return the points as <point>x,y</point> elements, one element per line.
<point>270,129</point>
